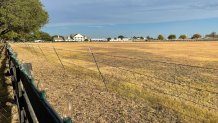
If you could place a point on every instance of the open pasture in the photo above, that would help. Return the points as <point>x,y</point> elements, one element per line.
<point>127,82</point>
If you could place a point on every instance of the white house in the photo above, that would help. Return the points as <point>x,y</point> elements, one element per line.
<point>78,37</point>
<point>68,38</point>
<point>58,39</point>
<point>126,39</point>
<point>99,39</point>
<point>38,41</point>
<point>119,39</point>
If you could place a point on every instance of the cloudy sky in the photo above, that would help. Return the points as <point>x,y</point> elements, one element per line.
<point>109,18</point>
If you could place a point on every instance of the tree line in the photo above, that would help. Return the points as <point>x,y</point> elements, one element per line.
<point>212,35</point>
<point>183,36</point>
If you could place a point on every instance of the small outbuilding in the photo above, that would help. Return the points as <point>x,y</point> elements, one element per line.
<point>58,39</point>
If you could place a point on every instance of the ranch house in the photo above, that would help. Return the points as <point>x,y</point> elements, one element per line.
<point>78,37</point>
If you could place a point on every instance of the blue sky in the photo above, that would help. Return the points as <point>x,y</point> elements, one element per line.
<point>110,18</point>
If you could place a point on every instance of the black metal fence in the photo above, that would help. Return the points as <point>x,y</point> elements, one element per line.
<point>31,102</point>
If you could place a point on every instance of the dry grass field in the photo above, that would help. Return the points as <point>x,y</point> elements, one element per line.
<point>139,82</point>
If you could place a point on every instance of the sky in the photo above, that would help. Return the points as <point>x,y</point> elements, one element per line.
<point>110,18</point>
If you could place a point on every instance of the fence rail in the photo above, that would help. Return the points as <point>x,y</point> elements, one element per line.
<point>31,102</point>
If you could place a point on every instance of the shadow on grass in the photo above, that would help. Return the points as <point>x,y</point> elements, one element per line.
<point>6,99</point>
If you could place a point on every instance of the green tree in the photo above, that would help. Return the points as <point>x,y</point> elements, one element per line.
<point>21,16</point>
<point>9,36</point>
<point>46,37</point>
<point>212,35</point>
<point>183,37</point>
<point>42,36</point>
<point>134,37</point>
<point>149,38</point>
<point>108,39</point>
<point>172,37</point>
<point>121,37</point>
<point>24,37</point>
<point>196,36</point>
<point>160,37</point>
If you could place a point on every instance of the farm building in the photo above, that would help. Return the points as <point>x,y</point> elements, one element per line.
<point>99,39</point>
<point>38,41</point>
<point>58,39</point>
<point>73,37</point>
<point>68,38</point>
<point>78,37</point>
<point>119,39</point>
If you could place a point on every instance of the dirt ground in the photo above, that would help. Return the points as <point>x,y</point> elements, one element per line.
<point>135,82</point>
<point>8,109</point>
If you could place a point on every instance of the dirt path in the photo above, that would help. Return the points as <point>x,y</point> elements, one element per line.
<point>8,110</point>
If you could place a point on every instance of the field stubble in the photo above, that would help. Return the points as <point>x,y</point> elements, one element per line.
<point>140,89</point>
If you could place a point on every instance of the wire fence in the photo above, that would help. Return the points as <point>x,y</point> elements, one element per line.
<point>190,85</point>
<point>31,102</point>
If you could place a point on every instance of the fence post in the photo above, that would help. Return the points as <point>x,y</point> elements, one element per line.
<point>59,58</point>
<point>42,52</point>
<point>175,73</point>
<point>96,63</point>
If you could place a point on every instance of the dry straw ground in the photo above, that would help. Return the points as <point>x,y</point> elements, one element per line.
<point>138,88</point>
<point>8,109</point>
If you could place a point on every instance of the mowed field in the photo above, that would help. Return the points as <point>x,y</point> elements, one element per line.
<point>127,82</point>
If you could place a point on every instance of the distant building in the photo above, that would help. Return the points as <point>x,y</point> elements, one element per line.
<point>37,41</point>
<point>58,39</point>
<point>119,39</point>
<point>73,37</point>
<point>78,37</point>
<point>99,39</point>
<point>68,38</point>
<point>126,39</point>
